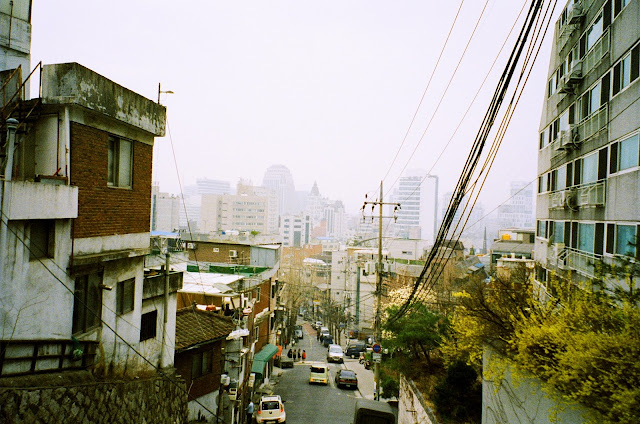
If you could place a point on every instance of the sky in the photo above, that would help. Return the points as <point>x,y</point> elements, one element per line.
<point>328,89</point>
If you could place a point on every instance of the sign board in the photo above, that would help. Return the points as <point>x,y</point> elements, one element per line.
<point>252,380</point>
<point>377,357</point>
<point>376,348</point>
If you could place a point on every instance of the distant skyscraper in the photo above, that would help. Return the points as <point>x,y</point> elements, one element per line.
<point>335,218</point>
<point>417,196</point>
<point>165,210</point>
<point>517,212</point>
<point>193,199</point>
<point>278,177</point>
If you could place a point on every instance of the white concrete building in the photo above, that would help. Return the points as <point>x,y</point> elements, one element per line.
<point>295,230</point>
<point>165,210</point>
<point>417,194</point>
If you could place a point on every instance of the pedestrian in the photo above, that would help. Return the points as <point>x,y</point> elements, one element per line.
<point>304,355</point>
<point>285,344</point>
<point>249,411</point>
<point>290,354</point>
<point>298,354</point>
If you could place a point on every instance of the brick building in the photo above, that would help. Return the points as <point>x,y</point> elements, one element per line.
<point>75,227</point>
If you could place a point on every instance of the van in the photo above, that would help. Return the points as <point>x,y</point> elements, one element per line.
<point>319,374</point>
<point>371,411</point>
<point>354,349</point>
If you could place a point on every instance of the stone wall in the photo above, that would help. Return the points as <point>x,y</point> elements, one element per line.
<point>412,409</point>
<point>153,400</point>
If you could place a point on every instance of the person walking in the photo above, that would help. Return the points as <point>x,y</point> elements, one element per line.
<point>290,354</point>
<point>298,354</point>
<point>304,355</point>
<point>249,411</point>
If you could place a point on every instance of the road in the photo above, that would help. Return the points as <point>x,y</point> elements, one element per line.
<point>311,404</point>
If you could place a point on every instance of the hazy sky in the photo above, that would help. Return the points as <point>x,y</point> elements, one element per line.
<point>326,88</point>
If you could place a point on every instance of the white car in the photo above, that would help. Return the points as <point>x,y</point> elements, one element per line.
<point>335,354</point>
<point>271,410</point>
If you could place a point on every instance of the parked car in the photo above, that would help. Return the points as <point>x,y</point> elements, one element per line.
<point>327,340</point>
<point>319,374</point>
<point>346,378</point>
<point>324,331</point>
<point>354,349</point>
<point>316,325</point>
<point>298,334</point>
<point>271,410</point>
<point>335,354</point>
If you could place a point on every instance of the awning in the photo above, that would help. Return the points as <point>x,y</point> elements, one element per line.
<point>258,369</point>
<point>266,353</point>
<point>261,358</point>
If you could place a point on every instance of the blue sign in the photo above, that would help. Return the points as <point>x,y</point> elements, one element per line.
<point>376,348</point>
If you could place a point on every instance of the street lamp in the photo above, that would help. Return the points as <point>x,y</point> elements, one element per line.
<point>160,92</point>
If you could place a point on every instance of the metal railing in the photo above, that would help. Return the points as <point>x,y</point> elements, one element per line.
<point>597,53</point>
<point>591,195</point>
<point>578,260</point>
<point>591,125</point>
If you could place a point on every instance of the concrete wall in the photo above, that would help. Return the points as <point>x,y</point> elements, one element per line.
<point>412,409</point>
<point>34,303</point>
<point>148,400</point>
<point>525,400</point>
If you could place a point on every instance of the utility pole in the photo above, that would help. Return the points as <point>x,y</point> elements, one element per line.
<point>378,321</point>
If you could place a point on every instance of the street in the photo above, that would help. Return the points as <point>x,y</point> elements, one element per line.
<point>309,404</point>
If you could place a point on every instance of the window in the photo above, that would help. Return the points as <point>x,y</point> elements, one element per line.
<point>589,169</point>
<point>148,325</point>
<point>626,240</point>
<point>586,237</point>
<point>125,293</point>
<point>201,364</point>
<point>257,294</point>
<point>558,231</point>
<point>595,32</point>
<point>625,154</point>
<point>87,303</point>
<point>542,229</point>
<point>42,238</point>
<point>119,162</point>
<point>256,333</point>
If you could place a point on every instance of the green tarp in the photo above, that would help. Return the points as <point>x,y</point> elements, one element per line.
<point>261,358</point>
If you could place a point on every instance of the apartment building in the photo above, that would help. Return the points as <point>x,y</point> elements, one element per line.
<point>588,193</point>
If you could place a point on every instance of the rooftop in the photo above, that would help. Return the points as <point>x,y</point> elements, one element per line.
<point>195,327</point>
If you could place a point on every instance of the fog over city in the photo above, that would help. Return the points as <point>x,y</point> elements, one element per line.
<point>327,89</point>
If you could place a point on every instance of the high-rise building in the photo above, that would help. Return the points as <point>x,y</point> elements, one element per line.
<point>244,211</point>
<point>417,194</point>
<point>165,210</point>
<point>588,201</point>
<point>295,230</point>
<point>517,212</point>
<point>193,199</point>
<point>335,218</point>
<point>279,178</point>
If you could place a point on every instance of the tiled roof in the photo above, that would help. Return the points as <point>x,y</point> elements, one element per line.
<point>194,327</point>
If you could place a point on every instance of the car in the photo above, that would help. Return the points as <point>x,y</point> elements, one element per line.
<point>371,411</point>
<point>316,325</point>
<point>335,354</point>
<point>354,349</point>
<point>327,340</point>
<point>271,410</point>
<point>346,378</point>
<point>298,334</point>
<point>319,374</point>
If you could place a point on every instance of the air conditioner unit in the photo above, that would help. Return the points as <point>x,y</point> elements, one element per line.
<point>191,246</point>
<point>233,253</point>
<point>575,15</point>
<point>571,199</point>
<point>575,74</point>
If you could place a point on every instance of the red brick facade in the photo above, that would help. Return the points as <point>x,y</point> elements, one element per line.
<point>105,210</point>
<point>205,252</point>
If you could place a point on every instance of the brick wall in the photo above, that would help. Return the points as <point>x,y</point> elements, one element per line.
<point>204,252</point>
<point>207,383</point>
<point>104,210</point>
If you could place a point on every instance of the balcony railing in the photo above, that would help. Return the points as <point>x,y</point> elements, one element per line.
<point>597,53</point>
<point>23,357</point>
<point>577,260</point>
<point>591,125</point>
<point>591,195</point>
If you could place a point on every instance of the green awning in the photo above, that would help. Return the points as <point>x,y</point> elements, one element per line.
<point>258,369</point>
<point>266,353</point>
<point>261,358</point>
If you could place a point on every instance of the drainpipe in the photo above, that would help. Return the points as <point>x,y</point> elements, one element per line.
<point>12,126</point>
<point>166,307</point>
